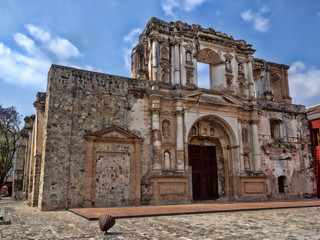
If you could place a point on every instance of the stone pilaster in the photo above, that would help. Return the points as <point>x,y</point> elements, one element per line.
<point>177,63</point>
<point>255,146</point>
<point>156,135</point>
<point>180,137</point>
<point>240,147</point>
<point>38,145</point>
<point>251,83</point>
<point>18,177</point>
<point>155,59</point>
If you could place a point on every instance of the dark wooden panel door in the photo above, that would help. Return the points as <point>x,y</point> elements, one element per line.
<point>203,161</point>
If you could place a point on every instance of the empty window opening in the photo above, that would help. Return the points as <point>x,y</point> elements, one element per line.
<point>316,136</point>
<point>282,184</point>
<point>203,75</point>
<point>275,129</point>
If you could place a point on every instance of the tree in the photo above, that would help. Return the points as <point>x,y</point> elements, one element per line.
<point>9,135</point>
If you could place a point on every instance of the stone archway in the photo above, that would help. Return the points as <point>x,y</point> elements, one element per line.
<point>209,157</point>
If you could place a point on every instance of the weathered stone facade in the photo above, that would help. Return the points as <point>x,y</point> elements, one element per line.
<point>104,140</point>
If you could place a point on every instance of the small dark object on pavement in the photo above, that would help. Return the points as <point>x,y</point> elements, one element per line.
<point>106,221</point>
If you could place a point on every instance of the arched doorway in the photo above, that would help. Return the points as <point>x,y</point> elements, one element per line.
<point>209,151</point>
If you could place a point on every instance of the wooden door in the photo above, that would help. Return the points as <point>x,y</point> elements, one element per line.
<point>203,161</point>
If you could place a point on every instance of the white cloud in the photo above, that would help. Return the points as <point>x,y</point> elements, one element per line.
<point>304,83</point>
<point>190,5</point>
<point>30,64</point>
<point>318,14</point>
<point>62,48</point>
<point>132,39</point>
<point>168,6</point>
<point>23,69</point>
<point>26,43</point>
<point>38,33</point>
<point>260,23</point>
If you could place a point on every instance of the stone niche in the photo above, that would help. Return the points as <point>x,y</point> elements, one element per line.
<point>112,168</point>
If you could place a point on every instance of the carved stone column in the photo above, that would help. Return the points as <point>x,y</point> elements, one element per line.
<point>156,135</point>
<point>155,59</point>
<point>177,63</point>
<point>240,147</point>
<point>251,83</point>
<point>255,146</point>
<point>179,137</point>
<point>183,75</point>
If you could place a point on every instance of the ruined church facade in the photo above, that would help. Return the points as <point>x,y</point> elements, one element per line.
<point>100,140</point>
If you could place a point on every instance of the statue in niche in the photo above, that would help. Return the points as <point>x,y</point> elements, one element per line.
<point>244,135</point>
<point>193,131</point>
<point>211,132</point>
<point>246,160</point>
<point>167,160</point>
<point>228,65</point>
<point>166,129</point>
<point>204,132</point>
<point>240,68</point>
<point>197,46</point>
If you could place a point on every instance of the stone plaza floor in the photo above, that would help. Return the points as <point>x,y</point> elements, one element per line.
<point>292,223</point>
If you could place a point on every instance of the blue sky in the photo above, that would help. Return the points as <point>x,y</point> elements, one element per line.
<point>99,35</point>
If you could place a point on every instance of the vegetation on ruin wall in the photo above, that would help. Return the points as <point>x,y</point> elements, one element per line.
<point>9,135</point>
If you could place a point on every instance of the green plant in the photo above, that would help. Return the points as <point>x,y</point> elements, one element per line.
<point>2,219</point>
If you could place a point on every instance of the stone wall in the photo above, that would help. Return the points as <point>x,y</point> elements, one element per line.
<point>78,103</point>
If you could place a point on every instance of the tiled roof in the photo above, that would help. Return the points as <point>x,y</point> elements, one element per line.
<point>313,110</point>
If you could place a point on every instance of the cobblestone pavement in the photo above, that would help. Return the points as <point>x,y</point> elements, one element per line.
<point>294,223</point>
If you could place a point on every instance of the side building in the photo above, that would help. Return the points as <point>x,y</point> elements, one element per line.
<point>314,122</point>
<point>101,140</point>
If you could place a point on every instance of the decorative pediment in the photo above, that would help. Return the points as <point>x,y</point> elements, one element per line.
<point>112,132</point>
<point>210,97</point>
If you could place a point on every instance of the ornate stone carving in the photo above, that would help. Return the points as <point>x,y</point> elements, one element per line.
<point>241,81</point>
<point>208,56</point>
<point>189,47</point>
<point>165,71</point>
<point>164,52</point>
